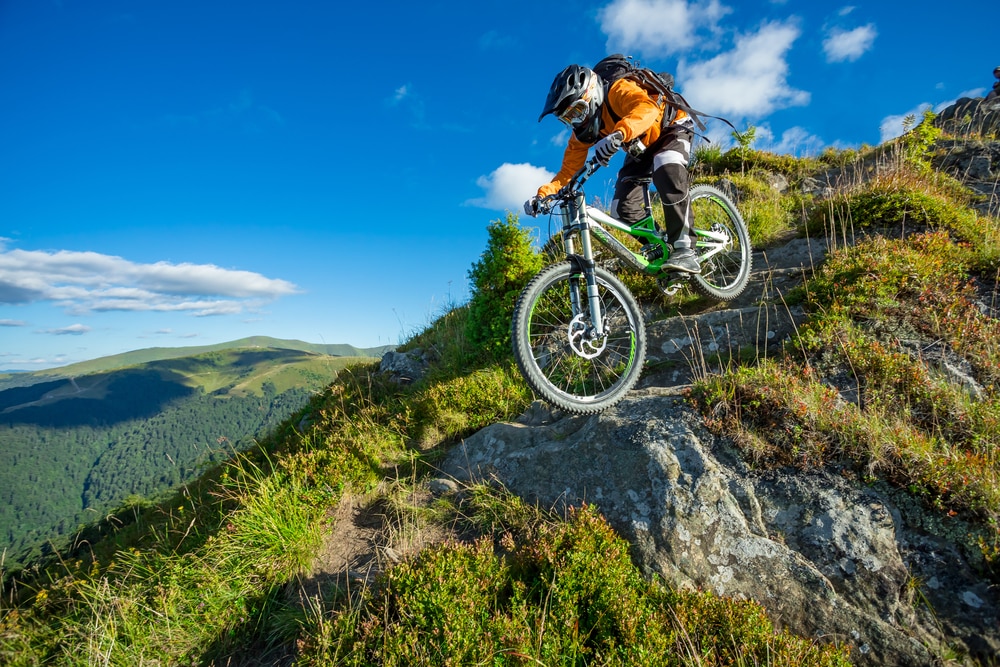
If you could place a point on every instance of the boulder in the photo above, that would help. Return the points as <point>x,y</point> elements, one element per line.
<point>404,367</point>
<point>827,556</point>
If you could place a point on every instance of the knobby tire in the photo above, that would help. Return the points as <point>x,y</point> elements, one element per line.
<point>725,276</point>
<point>542,347</point>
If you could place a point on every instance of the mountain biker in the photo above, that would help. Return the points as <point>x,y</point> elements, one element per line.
<point>606,117</point>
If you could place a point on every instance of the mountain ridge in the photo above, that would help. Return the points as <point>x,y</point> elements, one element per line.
<point>13,378</point>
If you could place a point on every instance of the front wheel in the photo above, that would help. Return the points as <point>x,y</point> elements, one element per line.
<point>557,349</point>
<point>722,244</point>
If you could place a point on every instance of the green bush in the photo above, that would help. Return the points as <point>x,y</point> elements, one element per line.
<point>897,204</point>
<point>502,271</point>
<point>547,593</point>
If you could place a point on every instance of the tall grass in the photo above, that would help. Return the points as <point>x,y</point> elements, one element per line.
<point>205,573</point>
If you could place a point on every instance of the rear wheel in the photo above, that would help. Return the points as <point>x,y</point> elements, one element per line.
<point>723,245</point>
<point>557,349</point>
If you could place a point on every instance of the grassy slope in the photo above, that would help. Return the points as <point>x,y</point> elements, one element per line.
<point>206,576</point>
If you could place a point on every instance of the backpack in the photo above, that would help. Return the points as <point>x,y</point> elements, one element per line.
<point>659,84</point>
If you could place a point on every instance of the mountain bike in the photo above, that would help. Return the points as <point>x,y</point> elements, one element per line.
<point>578,335</point>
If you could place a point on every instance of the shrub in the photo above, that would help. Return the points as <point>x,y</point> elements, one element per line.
<point>549,592</point>
<point>502,271</point>
<point>896,204</point>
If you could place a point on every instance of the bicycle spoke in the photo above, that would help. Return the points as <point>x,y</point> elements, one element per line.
<point>567,361</point>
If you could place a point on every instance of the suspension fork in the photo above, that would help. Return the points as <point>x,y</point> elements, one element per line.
<point>584,264</point>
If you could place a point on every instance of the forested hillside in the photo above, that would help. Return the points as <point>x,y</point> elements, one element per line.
<point>73,450</point>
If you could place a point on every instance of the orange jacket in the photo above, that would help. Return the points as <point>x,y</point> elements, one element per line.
<point>640,117</point>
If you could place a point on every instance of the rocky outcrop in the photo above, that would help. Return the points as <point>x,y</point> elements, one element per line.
<point>973,157</point>
<point>976,163</point>
<point>971,116</point>
<point>404,367</point>
<point>826,556</point>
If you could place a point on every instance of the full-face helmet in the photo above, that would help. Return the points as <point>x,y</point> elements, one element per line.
<point>575,97</point>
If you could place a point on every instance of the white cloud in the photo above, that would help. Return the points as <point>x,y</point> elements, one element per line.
<point>510,185</point>
<point>13,323</point>
<point>793,141</point>
<point>83,282</point>
<point>972,92</point>
<point>841,45</point>
<point>748,81</point>
<point>659,27</point>
<point>410,102</point>
<point>892,126</point>
<point>399,94</point>
<point>15,362</point>
<point>71,330</point>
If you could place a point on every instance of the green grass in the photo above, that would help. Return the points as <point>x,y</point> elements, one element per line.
<point>198,574</point>
<point>540,590</point>
<point>214,569</point>
<point>771,216</point>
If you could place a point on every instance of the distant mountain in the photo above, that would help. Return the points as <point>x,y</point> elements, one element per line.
<point>76,442</point>
<point>149,354</point>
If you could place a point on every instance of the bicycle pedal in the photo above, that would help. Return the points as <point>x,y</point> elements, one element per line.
<point>673,282</point>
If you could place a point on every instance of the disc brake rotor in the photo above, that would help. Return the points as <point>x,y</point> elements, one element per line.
<point>581,340</point>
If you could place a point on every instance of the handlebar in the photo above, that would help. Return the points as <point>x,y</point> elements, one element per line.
<point>568,191</point>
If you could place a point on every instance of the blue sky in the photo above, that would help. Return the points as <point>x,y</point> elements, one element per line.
<point>177,172</point>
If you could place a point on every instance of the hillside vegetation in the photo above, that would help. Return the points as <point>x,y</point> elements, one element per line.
<point>224,572</point>
<point>75,450</point>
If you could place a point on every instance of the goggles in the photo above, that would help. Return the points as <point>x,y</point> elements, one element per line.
<point>575,113</point>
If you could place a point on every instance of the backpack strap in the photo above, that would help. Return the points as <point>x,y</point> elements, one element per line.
<point>677,101</point>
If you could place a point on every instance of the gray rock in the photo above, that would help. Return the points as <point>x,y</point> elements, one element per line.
<point>976,163</point>
<point>825,556</point>
<point>970,115</point>
<point>815,187</point>
<point>404,367</point>
<point>440,486</point>
<point>778,182</point>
